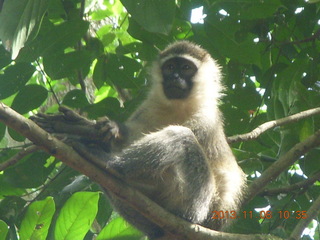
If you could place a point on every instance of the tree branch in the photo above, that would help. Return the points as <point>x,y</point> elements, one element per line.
<point>271,124</point>
<point>312,213</point>
<point>177,227</point>
<point>297,186</point>
<point>282,163</point>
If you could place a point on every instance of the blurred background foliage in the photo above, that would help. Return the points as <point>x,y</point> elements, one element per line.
<point>93,55</point>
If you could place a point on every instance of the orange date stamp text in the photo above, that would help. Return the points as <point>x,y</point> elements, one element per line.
<point>259,214</point>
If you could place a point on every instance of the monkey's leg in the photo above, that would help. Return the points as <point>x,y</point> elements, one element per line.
<point>168,166</point>
<point>158,151</point>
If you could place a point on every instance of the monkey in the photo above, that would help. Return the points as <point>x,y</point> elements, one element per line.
<point>173,147</point>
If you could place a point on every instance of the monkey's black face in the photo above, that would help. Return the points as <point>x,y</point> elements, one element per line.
<point>178,76</point>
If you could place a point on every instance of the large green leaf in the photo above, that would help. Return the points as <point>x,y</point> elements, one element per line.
<point>76,216</point>
<point>121,71</point>
<point>99,73</point>
<point>59,66</point>
<point>30,97</point>
<point>250,9</point>
<point>136,31</point>
<point>35,224</point>
<point>107,107</point>
<point>14,78</point>
<point>155,16</point>
<point>222,35</point>
<point>19,18</point>
<point>310,163</point>
<point>76,99</point>
<point>53,39</point>
<point>2,130</point>
<point>5,57</point>
<point>31,164</point>
<point>119,229</point>
<point>3,230</point>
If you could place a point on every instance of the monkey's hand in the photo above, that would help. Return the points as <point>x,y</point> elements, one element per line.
<point>111,131</point>
<point>66,122</point>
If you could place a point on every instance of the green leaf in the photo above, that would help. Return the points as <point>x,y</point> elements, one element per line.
<point>15,135</point>
<point>53,39</point>
<point>3,230</point>
<point>30,97</point>
<point>182,29</point>
<point>2,130</point>
<point>119,229</point>
<point>14,78</point>
<point>121,71</point>
<point>250,98</point>
<point>59,66</point>
<point>310,163</point>
<point>251,9</point>
<point>222,34</point>
<point>76,216</point>
<point>105,210</point>
<point>75,99</point>
<point>288,90</point>
<point>155,16</point>
<point>307,129</point>
<point>26,169</point>
<point>99,73</point>
<point>5,58</point>
<point>145,51</point>
<point>136,31</point>
<point>35,224</point>
<point>107,107</point>
<point>20,18</point>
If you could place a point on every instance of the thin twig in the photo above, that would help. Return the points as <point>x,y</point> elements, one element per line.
<point>271,124</point>
<point>294,187</point>
<point>13,160</point>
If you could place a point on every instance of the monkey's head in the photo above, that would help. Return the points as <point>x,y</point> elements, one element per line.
<point>184,70</point>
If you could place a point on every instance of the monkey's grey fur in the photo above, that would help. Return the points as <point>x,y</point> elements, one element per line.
<point>176,151</point>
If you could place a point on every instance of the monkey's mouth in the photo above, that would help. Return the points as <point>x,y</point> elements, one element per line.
<point>175,92</point>
<point>176,88</point>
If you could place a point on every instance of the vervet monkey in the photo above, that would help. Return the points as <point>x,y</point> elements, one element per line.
<point>173,148</point>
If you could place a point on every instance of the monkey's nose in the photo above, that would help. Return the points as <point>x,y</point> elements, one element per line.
<point>176,75</point>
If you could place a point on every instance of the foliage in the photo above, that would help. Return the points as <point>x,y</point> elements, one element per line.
<point>89,54</point>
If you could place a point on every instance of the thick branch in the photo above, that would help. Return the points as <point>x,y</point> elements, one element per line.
<point>284,162</point>
<point>138,201</point>
<point>271,124</point>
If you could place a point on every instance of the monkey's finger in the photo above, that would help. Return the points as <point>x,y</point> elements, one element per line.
<point>71,115</point>
<point>102,122</point>
<point>41,117</point>
<point>106,134</point>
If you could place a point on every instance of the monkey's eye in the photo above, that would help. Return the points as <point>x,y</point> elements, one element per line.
<point>170,66</point>
<point>186,67</point>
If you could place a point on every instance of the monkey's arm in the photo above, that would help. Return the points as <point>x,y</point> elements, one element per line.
<point>68,122</point>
